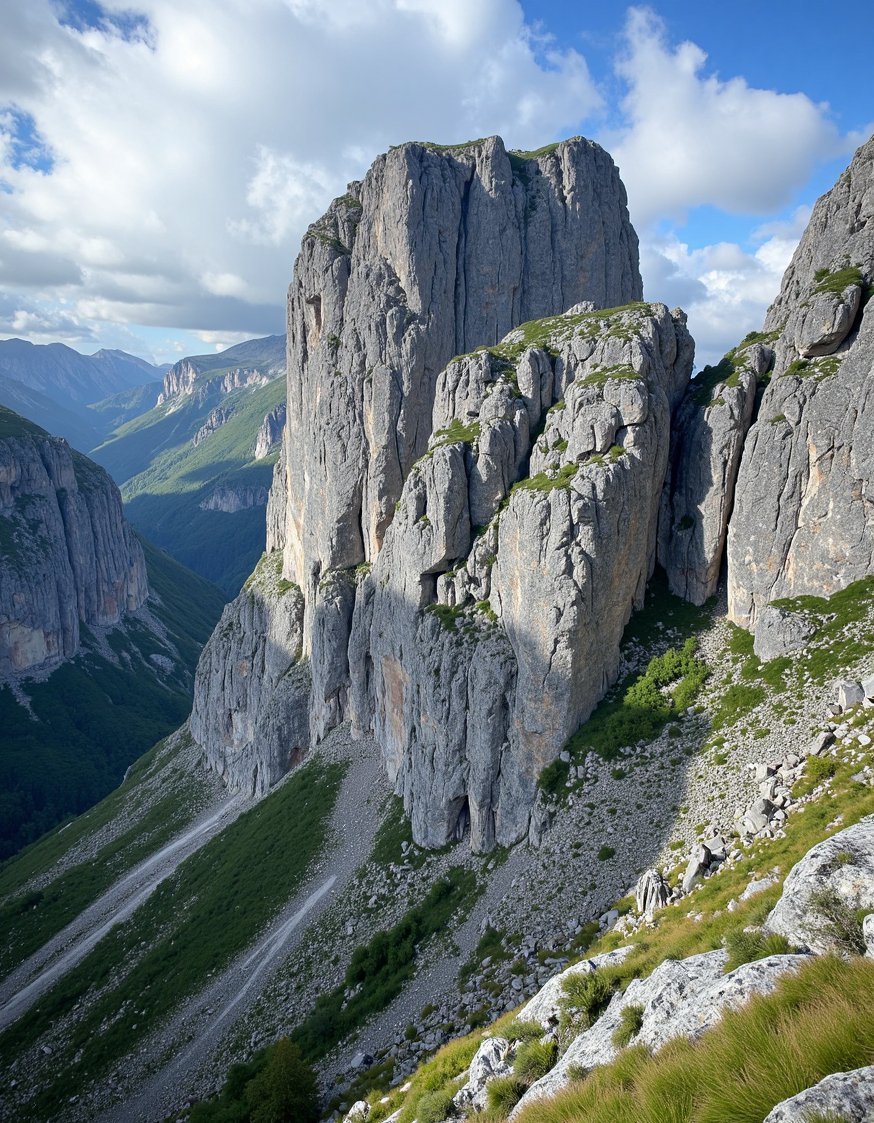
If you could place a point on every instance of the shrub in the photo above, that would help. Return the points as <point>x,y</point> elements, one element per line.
<point>630,1021</point>
<point>534,1059</point>
<point>434,1107</point>
<point>523,1031</point>
<point>284,1089</point>
<point>746,947</point>
<point>584,999</point>
<point>605,853</point>
<point>837,922</point>
<point>503,1093</point>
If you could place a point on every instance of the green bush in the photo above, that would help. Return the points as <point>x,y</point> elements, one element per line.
<point>837,922</point>
<point>503,1093</point>
<point>630,1021</point>
<point>584,998</point>
<point>523,1031</point>
<point>534,1059</point>
<point>276,1086</point>
<point>434,1107</point>
<point>746,947</point>
<point>605,853</point>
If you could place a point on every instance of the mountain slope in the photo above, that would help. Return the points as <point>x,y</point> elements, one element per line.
<point>63,374</point>
<point>203,502</point>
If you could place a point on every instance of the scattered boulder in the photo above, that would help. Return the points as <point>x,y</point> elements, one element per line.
<point>778,632</point>
<point>849,694</point>
<point>848,1096</point>
<point>651,893</point>
<point>867,685</point>
<point>358,1112</point>
<point>868,934</point>
<point>699,863</point>
<point>824,889</point>
<point>489,1062</point>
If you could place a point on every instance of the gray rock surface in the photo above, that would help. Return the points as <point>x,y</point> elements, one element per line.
<point>848,1096</point>
<point>778,632</point>
<point>706,442</point>
<point>269,436</point>
<point>868,934</point>
<point>849,694</point>
<point>840,868</point>
<point>801,523</point>
<point>251,693</point>
<point>544,1006</point>
<point>435,252</point>
<point>476,650</point>
<point>67,554</point>
<point>681,998</point>
<point>276,503</point>
<point>491,1060</point>
<point>651,893</point>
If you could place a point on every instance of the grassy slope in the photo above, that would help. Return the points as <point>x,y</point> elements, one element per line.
<point>92,717</point>
<point>165,477</point>
<point>196,922</point>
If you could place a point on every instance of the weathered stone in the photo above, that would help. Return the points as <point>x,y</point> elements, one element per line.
<point>868,934</point>
<point>232,499</point>
<point>801,523</point>
<point>849,694</point>
<point>68,555</point>
<point>778,632</point>
<point>699,863</point>
<point>868,686</point>
<point>681,998</point>
<point>251,699</point>
<point>650,893</point>
<point>840,869</point>
<point>544,1006</point>
<point>269,435</point>
<point>848,1096</point>
<point>489,1061</point>
<point>473,695</point>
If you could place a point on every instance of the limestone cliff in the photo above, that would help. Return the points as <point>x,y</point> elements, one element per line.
<point>434,253</point>
<point>489,625</point>
<point>804,514</point>
<point>68,555</point>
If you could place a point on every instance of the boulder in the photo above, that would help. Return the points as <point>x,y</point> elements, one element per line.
<point>699,863</point>
<point>544,1006</point>
<point>867,685</point>
<point>778,632</point>
<point>825,322</point>
<point>489,1061</point>
<point>848,1096</point>
<point>868,934</point>
<point>849,694</point>
<point>651,893</point>
<point>822,892</point>
<point>681,998</point>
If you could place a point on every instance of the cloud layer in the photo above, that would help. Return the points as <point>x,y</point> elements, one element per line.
<point>160,171</point>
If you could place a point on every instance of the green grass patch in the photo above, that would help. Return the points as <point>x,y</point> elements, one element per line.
<point>746,947</point>
<point>194,924</point>
<point>844,632</point>
<point>816,1022</point>
<point>839,279</point>
<point>630,1022</point>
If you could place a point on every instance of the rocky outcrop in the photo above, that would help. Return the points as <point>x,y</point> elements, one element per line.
<point>489,625</point>
<point>824,891</point>
<point>848,1096</point>
<point>217,417</point>
<point>436,252</point>
<point>802,521</point>
<point>230,499</point>
<point>251,693</point>
<point>706,443</point>
<point>681,998</point>
<point>276,503</point>
<point>269,436</point>
<point>178,381</point>
<point>68,555</point>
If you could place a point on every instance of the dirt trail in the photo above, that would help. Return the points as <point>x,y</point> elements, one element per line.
<point>174,1059</point>
<point>32,978</point>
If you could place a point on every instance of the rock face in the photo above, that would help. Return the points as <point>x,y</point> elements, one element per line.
<point>68,555</point>
<point>706,444</point>
<point>270,434</point>
<point>825,888</point>
<point>250,692</point>
<point>848,1096</point>
<point>217,417</point>
<point>231,499</point>
<point>489,626</point>
<point>681,998</point>
<point>436,252</point>
<point>802,521</point>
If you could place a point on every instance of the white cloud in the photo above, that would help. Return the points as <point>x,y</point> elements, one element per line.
<point>189,156</point>
<point>724,288</point>
<point>692,138</point>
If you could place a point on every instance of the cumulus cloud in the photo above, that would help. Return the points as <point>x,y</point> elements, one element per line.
<point>182,153</point>
<point>692,138</point>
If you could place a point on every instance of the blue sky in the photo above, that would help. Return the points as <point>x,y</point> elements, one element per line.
<point>159,161</point>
